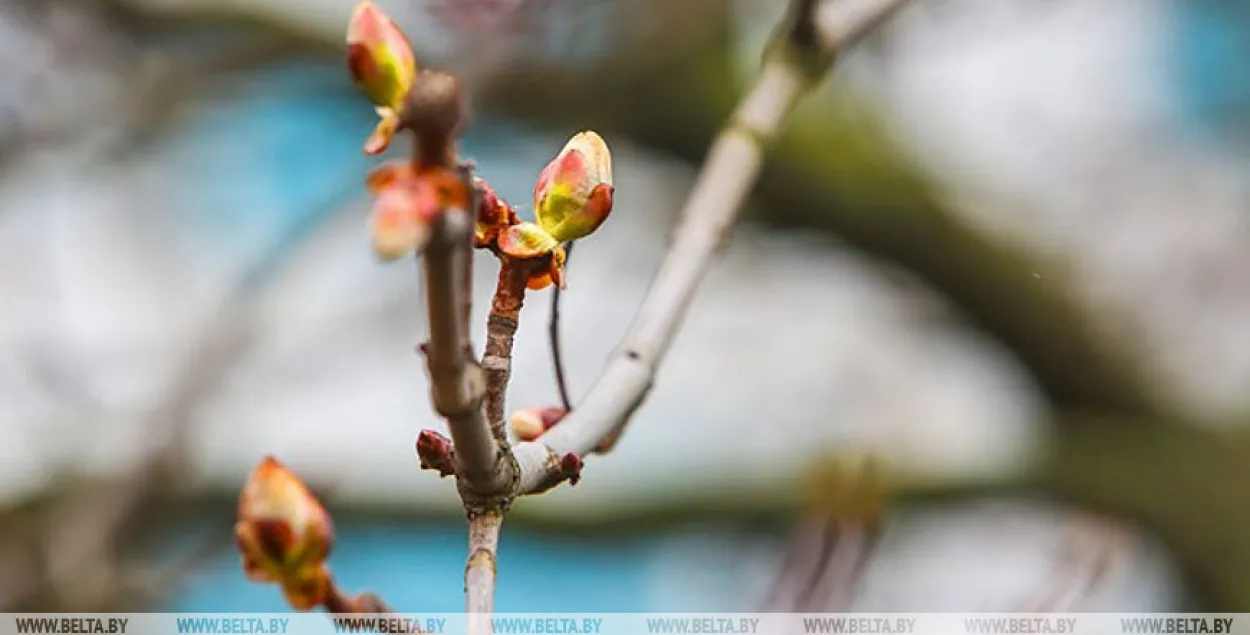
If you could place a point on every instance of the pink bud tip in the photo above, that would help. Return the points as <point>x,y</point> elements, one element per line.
<point>531,423</point>
<point>379,56</point>
<point>574,193</point>
<point>435,452</point>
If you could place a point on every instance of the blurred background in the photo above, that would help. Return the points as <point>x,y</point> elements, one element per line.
<point>1005,251</point>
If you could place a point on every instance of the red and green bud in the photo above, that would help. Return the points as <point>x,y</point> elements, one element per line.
<point>284,535</point>
<point>379,56</point>
<point>531,423</point>
<point>573,195</point>
<point>399,223</point>
<point>436,453</point>
<point>526,241</point>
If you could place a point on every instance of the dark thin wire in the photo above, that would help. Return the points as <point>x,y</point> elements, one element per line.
<point>553,330</point>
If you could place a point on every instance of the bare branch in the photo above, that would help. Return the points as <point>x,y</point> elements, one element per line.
<point>806,47</point>
<point>501,327</point>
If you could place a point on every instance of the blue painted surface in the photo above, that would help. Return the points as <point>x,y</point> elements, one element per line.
<point>1209,61</point>
<point>420,567</point>
<point>282,152</point>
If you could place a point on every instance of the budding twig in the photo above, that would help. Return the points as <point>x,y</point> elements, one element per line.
<point>805,49</point>
<point>461,390</point>
<point>501,327</point>
<point>458,385</point>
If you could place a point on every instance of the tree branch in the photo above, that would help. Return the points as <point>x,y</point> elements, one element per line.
<point>501,327</point>
<point>457,384</point>
<point>471,399</point>
<point>434,112</point>
<point>804,50</point>
<point>480,570</point>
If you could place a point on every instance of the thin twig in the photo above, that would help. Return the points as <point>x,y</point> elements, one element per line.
<point>806,47</point>
<point>553,332</point>
<point>501,327</point>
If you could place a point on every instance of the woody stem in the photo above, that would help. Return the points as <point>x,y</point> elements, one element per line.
<point>501,327</point>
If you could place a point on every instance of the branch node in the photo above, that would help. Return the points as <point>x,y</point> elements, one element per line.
<point>482,558</point>
<point>798,38</point>
<point>558,468</point>
<point>497,495</point>
<point>747,129</point>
